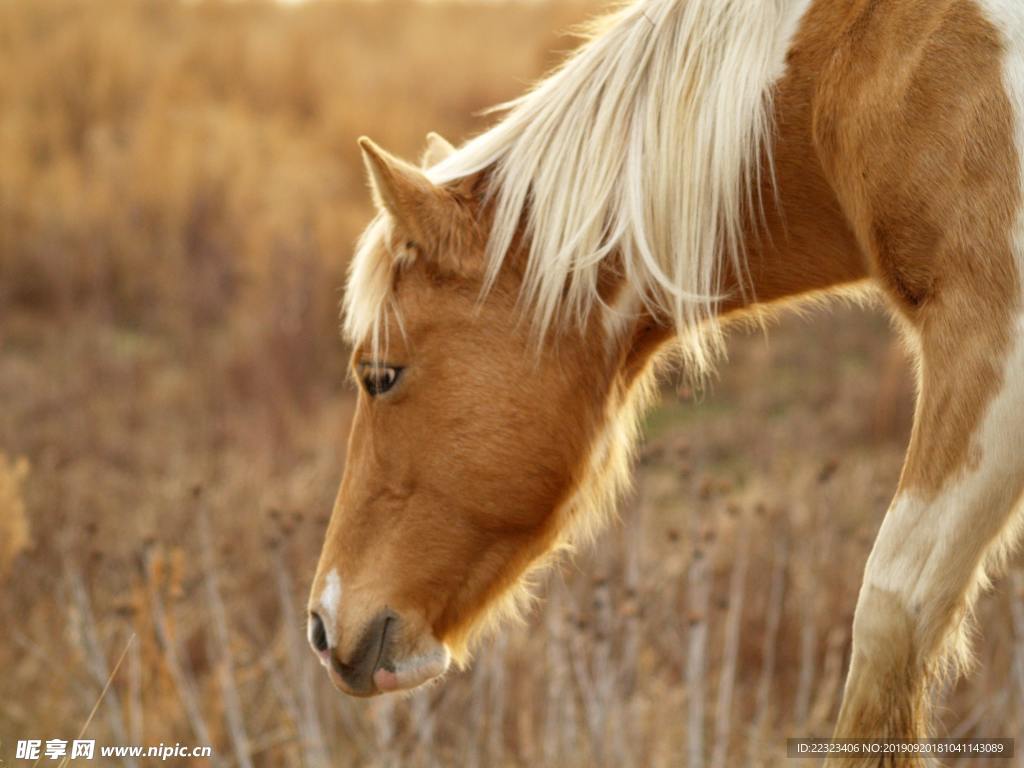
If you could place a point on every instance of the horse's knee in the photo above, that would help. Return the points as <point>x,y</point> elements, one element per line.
<point>884,629</point>
<point>885,690</point>
<point>886,644</point>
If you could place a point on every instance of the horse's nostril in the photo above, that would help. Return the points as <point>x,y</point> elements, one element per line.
<point>317,632</point>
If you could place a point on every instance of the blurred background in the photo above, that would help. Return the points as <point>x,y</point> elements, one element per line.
<point>180,190</point>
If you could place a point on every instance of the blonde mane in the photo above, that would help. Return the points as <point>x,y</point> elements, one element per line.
<point>646,144</point>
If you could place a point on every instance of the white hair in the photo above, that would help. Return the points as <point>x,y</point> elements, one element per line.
<point>646,145</point>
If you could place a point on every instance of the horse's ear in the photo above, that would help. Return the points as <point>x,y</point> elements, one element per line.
<point>438,149</point>
<point>401,189</point>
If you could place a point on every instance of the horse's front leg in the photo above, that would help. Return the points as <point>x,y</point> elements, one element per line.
<point>950,520</point>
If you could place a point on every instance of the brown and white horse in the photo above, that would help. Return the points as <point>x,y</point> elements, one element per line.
<point>696,161</point>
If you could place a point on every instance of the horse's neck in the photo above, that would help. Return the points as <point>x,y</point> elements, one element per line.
<point>803,242</point>
<point>798,241</point>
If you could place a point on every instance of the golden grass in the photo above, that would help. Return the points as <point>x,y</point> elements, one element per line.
<point>14,527</point>
<point>180,189</point>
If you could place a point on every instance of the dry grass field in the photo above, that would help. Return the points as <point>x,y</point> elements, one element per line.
<point>180,189</point>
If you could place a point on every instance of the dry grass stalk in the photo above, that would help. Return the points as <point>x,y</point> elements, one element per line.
<point>88,637</point>
<point>181,676</point>
<point>586,689</point>
<point>808,636</point>
<point>554,674</point>
<point>730,650</point>
<point>14,528</point>
<point>136,713</point>
<point>698,606</point>
<point>423,719</point>
<point>383,713</point>
<point>1017,614</point>
<point>99,700</point>
<point>495,662</point>
<point>220,624</point>
<point>763,700</point>
<point>630,627</point>
<point>300,669</point>
<point>826,702</point>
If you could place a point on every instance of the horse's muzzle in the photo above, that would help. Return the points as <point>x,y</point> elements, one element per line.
<point>354,675</point>
<point>384,659</point>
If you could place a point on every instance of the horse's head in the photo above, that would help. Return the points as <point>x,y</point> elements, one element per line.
<point>471,452</point>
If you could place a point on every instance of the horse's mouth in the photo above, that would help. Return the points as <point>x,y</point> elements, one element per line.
<point>412,671</point>
<point>393,668</point>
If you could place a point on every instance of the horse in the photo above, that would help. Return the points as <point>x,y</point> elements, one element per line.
<point>693,164</point>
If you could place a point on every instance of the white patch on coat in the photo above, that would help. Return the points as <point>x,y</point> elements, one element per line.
<point>330,600</point>
<point>926,547</point>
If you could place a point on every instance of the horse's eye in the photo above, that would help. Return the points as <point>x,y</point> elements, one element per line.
<point>378,379</point>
